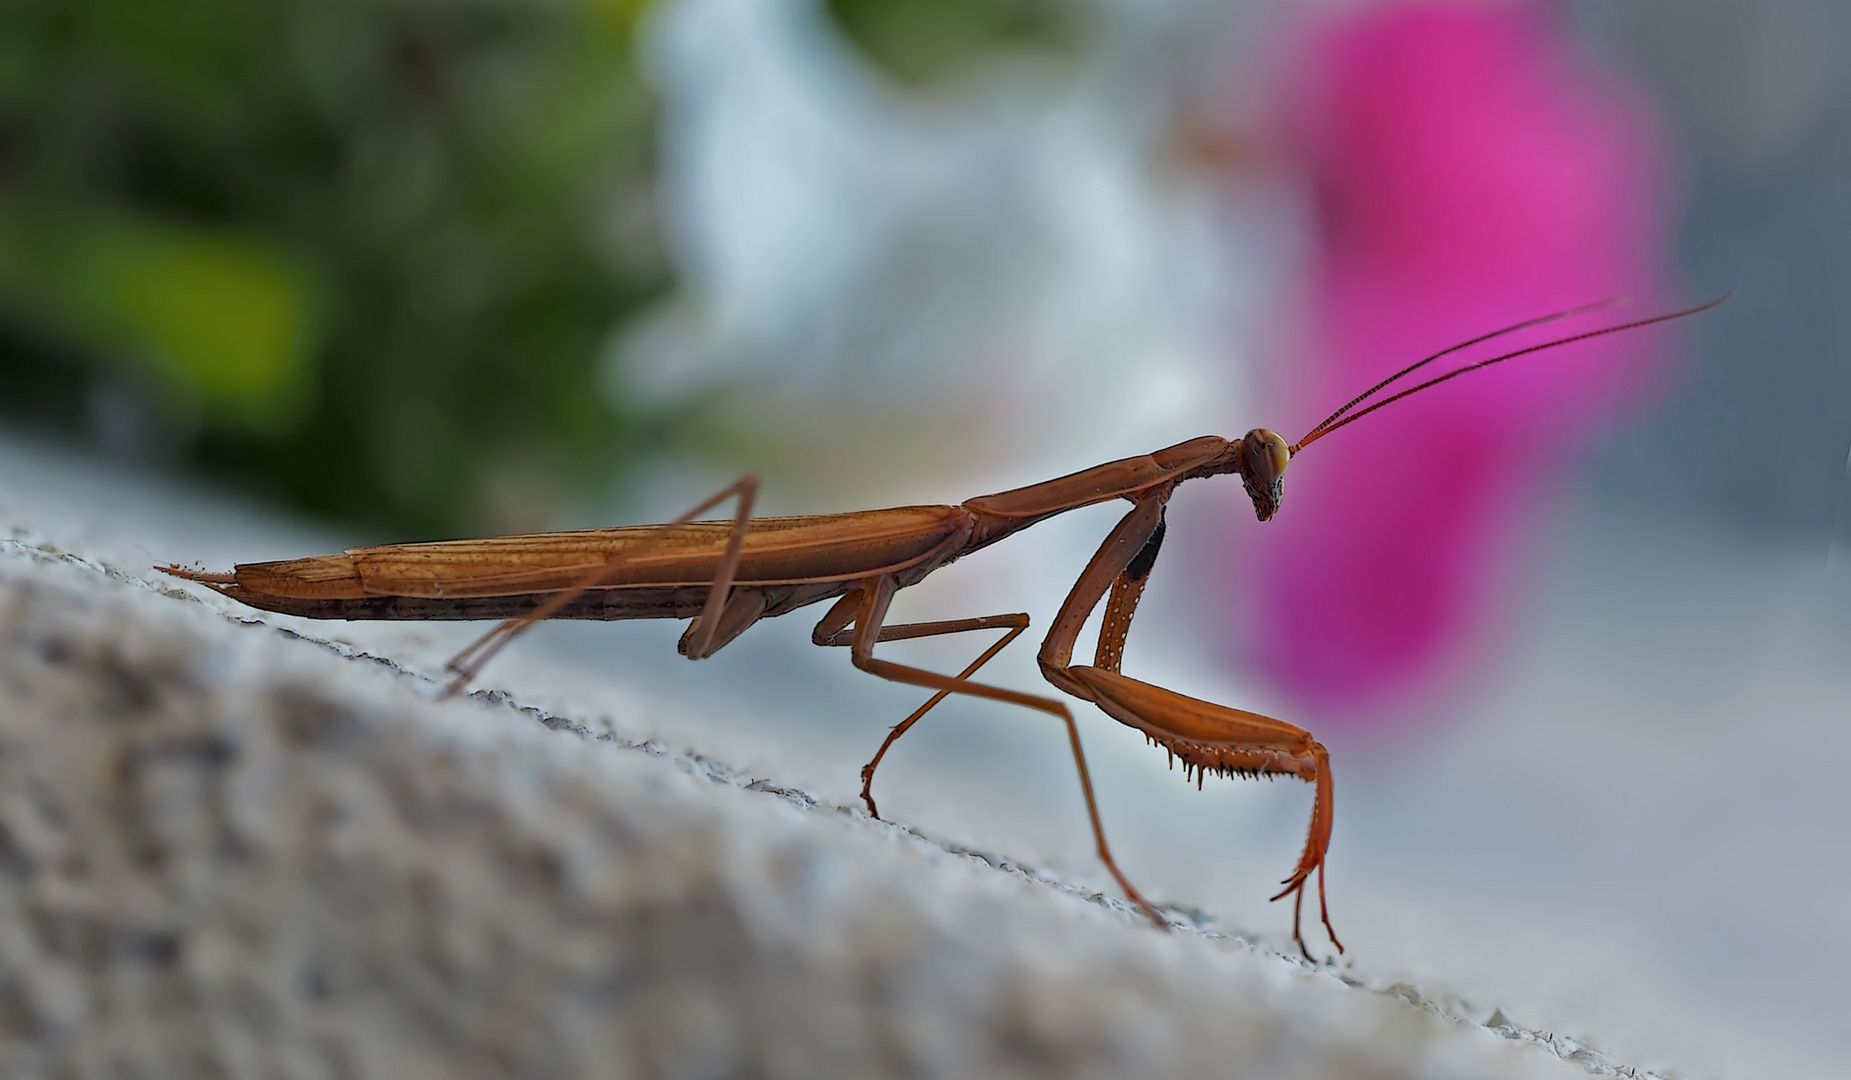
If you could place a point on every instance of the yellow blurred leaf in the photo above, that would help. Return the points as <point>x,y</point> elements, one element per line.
<point>223,321</point>
<point>617,16</point>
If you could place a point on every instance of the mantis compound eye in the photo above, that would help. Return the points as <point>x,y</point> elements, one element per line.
<point>1264,456</point>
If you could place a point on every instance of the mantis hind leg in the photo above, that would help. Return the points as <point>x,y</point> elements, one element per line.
<point>700,639</point>
<point>707,635</point>
<point>866,608</point>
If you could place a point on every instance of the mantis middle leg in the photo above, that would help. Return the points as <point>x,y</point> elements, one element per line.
<point>833,630</point>
<point>866,607</point>
<point>1206,736</point>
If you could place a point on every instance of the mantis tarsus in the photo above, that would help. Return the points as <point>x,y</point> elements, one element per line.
<point>726,575</point>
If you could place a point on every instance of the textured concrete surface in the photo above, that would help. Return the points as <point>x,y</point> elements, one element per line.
<point>228,849</point>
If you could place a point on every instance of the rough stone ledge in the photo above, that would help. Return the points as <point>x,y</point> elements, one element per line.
<point>227,849</point>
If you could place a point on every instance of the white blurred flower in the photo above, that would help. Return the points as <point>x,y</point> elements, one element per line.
<point>1011,253</point>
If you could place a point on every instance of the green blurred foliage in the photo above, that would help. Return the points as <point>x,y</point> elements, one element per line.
<point>363,254</point>
<point>925,43</point>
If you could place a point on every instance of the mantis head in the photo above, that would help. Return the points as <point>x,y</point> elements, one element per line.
<point>1263,458</point>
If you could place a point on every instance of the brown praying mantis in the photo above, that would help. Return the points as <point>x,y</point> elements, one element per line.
<point>724,576</point>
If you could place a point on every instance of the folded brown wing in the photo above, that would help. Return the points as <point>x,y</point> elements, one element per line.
<point>830,547</point>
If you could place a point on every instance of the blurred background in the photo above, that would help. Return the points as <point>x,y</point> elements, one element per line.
<point>1577,629</point>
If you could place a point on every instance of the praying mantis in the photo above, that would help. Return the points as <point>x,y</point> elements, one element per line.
<point>723,576</point>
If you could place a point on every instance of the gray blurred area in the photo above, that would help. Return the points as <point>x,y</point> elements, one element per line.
<point>1758,426</point>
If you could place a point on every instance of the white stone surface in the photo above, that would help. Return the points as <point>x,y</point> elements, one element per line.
<point>230,849</point>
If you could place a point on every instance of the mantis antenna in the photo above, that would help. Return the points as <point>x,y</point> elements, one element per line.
<point>1339,419</point>
<point>1411,368</point>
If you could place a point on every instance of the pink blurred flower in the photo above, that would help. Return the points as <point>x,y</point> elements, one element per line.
<point>1470,171</point>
